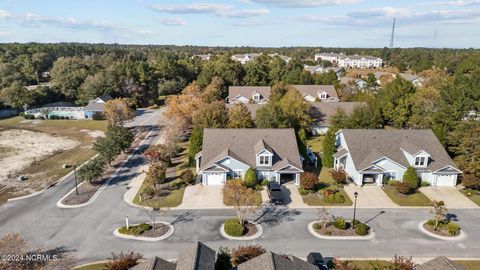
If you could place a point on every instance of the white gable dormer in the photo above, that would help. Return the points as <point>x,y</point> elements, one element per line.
<point>256,96</point>
<point>264,158</point>
<point>421,159</point>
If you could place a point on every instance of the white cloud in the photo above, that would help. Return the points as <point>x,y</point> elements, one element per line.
<point>4,34</point>
<point>219,10</point>
<point>302,3</point>
<point>384,16</point>
<point>453,3</point>
<point>174,21</point>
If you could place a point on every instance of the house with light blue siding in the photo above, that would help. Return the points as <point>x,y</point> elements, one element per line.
<point>229,153</point>
<point>374,156</point>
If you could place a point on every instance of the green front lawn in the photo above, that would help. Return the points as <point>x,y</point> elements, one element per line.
<point>258,199</point>
<point>315,143</point>
<point>415,199</point>
<point>173,200</point>
<point>473,195</point>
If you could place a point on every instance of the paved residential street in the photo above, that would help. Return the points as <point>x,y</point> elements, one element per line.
<point>89,230</point>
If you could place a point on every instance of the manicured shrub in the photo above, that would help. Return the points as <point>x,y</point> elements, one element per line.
<point>334,198</point>
<point>338,176</point>
<point>224,259</point>
<point>393,182</point>
<point>404,188</point>
<point>233,227</point>
<point>471,181</point>
<point>264,182</point>
<point>302,191</point>
<point>187,176</point>
<point>123,261</point>
<point>424,184</point>
<point>453,228</point>
<point>340,223</point>
<point>410,177</point>
<point>308,180</point>
<point>361,229</point>
<point>250,178</point>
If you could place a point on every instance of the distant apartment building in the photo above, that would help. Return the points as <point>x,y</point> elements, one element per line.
<point>350,61</point>
<point>244,58</point>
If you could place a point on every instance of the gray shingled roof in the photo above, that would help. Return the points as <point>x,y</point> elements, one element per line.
<point>440,263</point>
<point>322,112</point>
<point>368,145</point>
<point>241,143</point>
<point>196,257</point>
<point>98,107</point>
<point>154,263</point>
<point>252,108</point>
<point>247,91</point>
<point>315,90</point>
<point>408,77</point>
<point>272,261</point>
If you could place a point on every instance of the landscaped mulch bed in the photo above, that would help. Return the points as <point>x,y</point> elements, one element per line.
<point>87,190</point>
<point>160,229</point>
<point>250,229</point>
<point>441,231</point>
<point>331,230</point>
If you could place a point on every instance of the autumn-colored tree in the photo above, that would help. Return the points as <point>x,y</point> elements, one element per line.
<point>156,175</point>
<point>308,180</point>
<point>242,254</point>
<point>211,115</point>
<point>213,91</point>
<point>14,244</point>
<point>440,213</point>
<point>424,102</point>
<point>402,263</point>
<point>123,261</point>
<point>324,217</point>
<point>295,109</point>
<point>243,198</point>
<point>117,112</point>
<point>181,109</point>
<point>239,117</point>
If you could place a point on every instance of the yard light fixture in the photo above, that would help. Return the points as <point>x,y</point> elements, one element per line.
<point>74,175</point>
<point>354,209</point>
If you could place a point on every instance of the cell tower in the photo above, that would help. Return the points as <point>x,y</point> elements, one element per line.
<point>393,33</point>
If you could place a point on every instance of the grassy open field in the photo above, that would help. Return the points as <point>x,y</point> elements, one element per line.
<point>47,169</point>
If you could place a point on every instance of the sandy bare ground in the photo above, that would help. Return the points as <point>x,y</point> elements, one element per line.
<point>25,147</point>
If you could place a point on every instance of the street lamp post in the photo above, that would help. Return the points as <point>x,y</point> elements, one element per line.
<point>354,209</point>
<point>75,177</point>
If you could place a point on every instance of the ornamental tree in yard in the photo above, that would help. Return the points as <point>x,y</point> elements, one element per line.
<point>92,170</point>
<point>410,177</point>
<point>328,146</point>
<point>108,148</point>
<point>123,261</point>
<point>245,253</point>
<point>243,198</point>
<point>239,117</point>
<point>117,111</point>
<point>440,212</point>
<point>308,180</point>
<point>250,178</point>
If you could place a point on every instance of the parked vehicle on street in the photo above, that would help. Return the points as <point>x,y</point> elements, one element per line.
<point>317,259</point>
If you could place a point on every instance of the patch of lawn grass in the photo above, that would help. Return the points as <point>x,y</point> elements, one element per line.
<point>315,143</point>
<point>81,124</point>
<point>415,199</point>
<point>370,264</point>
<point>473,195</point>
<point>258,199</point>
<point>325,176</point>
<point>11,121</point>
<point>470,265</point>
<point>173,200</point>
<point>97,266</point>
<point>315,199</point>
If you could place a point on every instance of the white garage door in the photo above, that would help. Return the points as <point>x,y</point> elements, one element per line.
<point>445,180</point>
<point>215,178</point>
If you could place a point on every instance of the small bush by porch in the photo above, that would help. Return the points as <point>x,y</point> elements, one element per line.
<point>326,191</point>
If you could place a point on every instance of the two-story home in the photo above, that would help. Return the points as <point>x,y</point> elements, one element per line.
<point>244,58</point>
<point>322,113</point>
<point>376,156</point>
<point>229,153</point>
<point>318,93</point>
<point>248,94</point>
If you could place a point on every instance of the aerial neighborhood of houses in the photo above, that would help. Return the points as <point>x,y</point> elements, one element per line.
<point>254,157</point>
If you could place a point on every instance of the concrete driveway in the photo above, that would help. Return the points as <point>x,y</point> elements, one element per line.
<point>292,198</point>
<point>202,197</point>
<point>449,195</point>
<point>370,197</point>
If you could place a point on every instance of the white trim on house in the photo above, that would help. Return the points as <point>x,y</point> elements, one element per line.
<point>448,166</point>
<point>384,157</point>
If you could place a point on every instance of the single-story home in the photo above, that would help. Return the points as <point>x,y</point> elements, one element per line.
<point>96,105</point>
<point>273,261</point>
<point>374,156</point>
<point>440,263</point>
<point>248,94</point>
<point>320,69</point>
<point>346,82</point>
<point>322,113</point>
<point>229,153</point>
<point>322,93</point>
<point>415,79</point>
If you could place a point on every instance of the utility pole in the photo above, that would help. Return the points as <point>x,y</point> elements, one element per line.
<point>393,33</point>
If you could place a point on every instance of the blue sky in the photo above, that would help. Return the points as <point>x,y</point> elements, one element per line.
<point>336,23</point>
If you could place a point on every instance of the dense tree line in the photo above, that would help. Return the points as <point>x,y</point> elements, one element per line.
<point>79,72</point>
